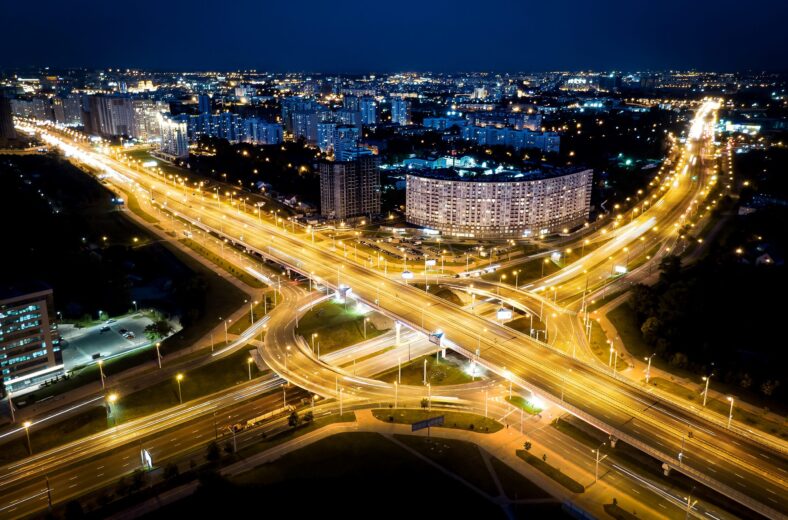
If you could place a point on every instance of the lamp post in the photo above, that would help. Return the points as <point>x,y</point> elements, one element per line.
<point>135,305</point>
<point>730,413</point>
<point>111,398</point>
<point>178,379</point>
<point>314,335</point>
<point>27,425</point>
<point>648,367</point>
<point>706,389</point>
<point>596,468</point>
<point>365,327</point>
<point>101,372</point>
<point>158,352</point>
<point>249,366</point>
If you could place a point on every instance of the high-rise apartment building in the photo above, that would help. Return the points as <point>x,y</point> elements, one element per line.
<point>400,111</point>
<point>369,110</point>
<point>111,115</point>
<point>174,136</point>
<point>350,188</point>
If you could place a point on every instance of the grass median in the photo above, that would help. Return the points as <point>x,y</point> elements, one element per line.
<point>447,371</point>
<point>336,327</point>
<point>220,261</point>
<point>456,420</point>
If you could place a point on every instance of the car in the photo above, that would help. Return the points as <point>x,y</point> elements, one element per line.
<point>111,320</point>
<point>123,331</point>
<point>105,328</point>
<point>129,335</point>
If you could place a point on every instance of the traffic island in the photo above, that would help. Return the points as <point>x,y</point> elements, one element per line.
<point>456,420</point>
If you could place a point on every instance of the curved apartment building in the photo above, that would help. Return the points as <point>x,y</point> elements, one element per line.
<point>503,205</point>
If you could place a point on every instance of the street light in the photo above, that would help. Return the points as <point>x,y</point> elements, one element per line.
<point>111,398</point>
<point>730,413</point>
<point>596,468</point>
<point>249,366</point>
<point>27,425</point>
<point>158,353</point>
<point>365,327</point>
<point>706,390</point>
<point>135,305</point>
<point>101,372</point>
<point>178,379</point>
<point>648,367</point>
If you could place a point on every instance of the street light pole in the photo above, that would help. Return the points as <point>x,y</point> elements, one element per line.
<point>706,390</point>
<point>648,367</point>
<point>730,413</point>
<point>27,425</point>
<point>158,352</point>
<point>101,371</point>
<point>249,366</point>
<point>178,379</point>
<point>596,468</point>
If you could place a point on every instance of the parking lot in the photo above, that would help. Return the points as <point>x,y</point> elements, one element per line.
<point>81,344</point>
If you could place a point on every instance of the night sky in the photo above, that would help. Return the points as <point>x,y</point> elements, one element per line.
<point>418,35</point>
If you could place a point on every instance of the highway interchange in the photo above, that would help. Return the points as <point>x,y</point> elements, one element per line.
<point>732,461</point>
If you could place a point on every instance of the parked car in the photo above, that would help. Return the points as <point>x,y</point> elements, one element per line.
<point>105,328</point>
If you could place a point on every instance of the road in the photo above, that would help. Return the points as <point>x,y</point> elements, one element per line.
<point>727,460</point>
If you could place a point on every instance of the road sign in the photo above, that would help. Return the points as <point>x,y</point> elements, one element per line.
<point>433,421</point>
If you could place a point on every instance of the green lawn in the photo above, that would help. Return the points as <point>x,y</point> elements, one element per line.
<point>552,472</point>
<point>464,459</point>
<point>456,420</point>
<point>217,259</point>
<point>521,402</point>
<point>207,379</point>
<point>335,326</point>
<point>45,437</point>
<point>722,407</point>
<point>243,323</point>
<point>447,371</point>
<point>523,324</point>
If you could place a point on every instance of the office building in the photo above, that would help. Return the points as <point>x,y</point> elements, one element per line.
<point>502,204</point>
<point>174,136</point>
<point>350,188</point>
<point>29,343</point>
<point>400,111</point>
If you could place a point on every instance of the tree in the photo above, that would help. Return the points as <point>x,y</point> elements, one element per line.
<point>293,419</point>
<point>669,269</point>
<point>212,452</point>
<point>425,403</point>
<point>527,445</point>
<point>309,417</point>
<point>768,387</point>
<point>650,329</point>
<point>138,479</point>
<point>158,329</point>
<point>544,457</point>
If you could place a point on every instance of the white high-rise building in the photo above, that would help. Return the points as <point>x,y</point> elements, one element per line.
<point>174,136</point>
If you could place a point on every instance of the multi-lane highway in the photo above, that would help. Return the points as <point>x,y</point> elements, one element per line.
<point>729,461</point>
